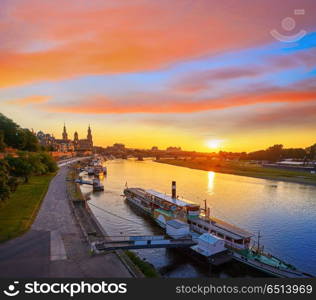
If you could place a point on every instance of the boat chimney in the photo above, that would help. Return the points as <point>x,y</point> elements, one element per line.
<point>174,190</point>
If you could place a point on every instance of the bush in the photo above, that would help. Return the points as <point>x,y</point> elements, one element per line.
<point>38,167</point>
<point>4,191</point>
<point>19,167</point>
<point>147,269</point>
<point>28,164</point>
<point>4,178</point>
<point>2,144</point>
<point>13,183</point>
<point>28,161</point>
<point>49,162</point>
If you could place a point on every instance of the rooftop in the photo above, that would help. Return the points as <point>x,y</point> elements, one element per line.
<point>209,238</point>
<point>231,228</point>
<point>177,224</point>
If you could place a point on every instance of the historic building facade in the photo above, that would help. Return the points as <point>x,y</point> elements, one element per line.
<point>83,144</point>
<point>65,144</point>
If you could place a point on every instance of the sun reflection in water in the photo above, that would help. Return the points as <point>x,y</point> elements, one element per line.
<point>210,184</point>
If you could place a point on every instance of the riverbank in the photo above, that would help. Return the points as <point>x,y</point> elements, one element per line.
<point>147,269</point>
<point>19,212</point>
<point>55,246</point>
<point>244,169</point>
<point>90,226</point>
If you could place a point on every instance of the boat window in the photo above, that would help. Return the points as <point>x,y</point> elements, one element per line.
<point>220,235</point>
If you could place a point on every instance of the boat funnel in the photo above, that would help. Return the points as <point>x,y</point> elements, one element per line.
<point>174,190</point>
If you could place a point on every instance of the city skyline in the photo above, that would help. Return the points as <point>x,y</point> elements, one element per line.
<point>209,77</point>
<point>66,136</point>
<point>67,142</point>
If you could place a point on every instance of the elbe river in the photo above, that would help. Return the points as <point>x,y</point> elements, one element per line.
<point>283,212</point>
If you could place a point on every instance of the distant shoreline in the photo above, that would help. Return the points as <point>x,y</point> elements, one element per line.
<point>241,169</point>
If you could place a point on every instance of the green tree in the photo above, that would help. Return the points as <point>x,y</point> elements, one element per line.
<point>31,142</point>
<point>49,161</point>
<point>19,167</point>
<point>274,153</point>
<point>4,177</point>
<point>13,183</point>
<point>35,160</point>
<point>2,144</point>
<point>296,153</point>
<point>16,137</point>
<point>312,152</point>
<point>4,191</point>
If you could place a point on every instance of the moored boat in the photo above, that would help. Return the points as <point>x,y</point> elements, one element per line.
<point>163,208</point>
<point>268,263</point>
<point>98,170</point>
<point>97,186</point>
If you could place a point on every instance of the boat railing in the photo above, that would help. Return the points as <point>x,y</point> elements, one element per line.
<point>234,245</point>
<point>119,238</point>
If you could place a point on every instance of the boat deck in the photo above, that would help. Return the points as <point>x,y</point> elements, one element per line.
<point>272,261</point>
<point>137,191</point>
<point>231,228</point>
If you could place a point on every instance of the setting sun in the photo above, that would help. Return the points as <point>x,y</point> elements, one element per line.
<point>214,144</point>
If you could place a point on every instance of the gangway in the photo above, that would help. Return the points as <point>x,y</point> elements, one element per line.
<point>142,242</point>
<point>96,184</point>
<point>81,181</point>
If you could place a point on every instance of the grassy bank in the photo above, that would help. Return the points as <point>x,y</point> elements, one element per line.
<point>86,219</point>
<point>147,269</point>
<point>17,215</point>
<point>73,189</point>
<point>244,169</point>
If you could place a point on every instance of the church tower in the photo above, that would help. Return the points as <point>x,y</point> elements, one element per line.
<point>65,135</point>
<point>89,136</point>
<point>76,141</point>
<point>76,137</point>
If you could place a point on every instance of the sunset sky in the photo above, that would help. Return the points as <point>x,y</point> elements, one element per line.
<point>199,74</point>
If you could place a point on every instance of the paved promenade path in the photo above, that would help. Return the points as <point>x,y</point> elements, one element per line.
<point>55,245</point>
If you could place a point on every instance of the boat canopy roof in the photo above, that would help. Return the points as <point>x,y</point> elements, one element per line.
<point>209,238</point>
<point>227,229</point>
<point>137,191</point>
<point>176,201</point>
<point>177,224</point>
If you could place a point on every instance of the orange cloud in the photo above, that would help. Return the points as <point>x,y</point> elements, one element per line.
<point>61,39</point>
<point>29,100</point>
<point>104,105</point>
<point>201,80</point>
<point>295,115</point>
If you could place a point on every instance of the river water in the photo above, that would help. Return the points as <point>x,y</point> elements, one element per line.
<point>285,213</point>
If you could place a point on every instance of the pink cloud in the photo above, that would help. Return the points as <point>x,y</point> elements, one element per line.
<point>29,100</point>
<point>103,105</point>
<point>203,80</point>
<point>294,115</point>
<point>198,81</point>
<point>48,40</point>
